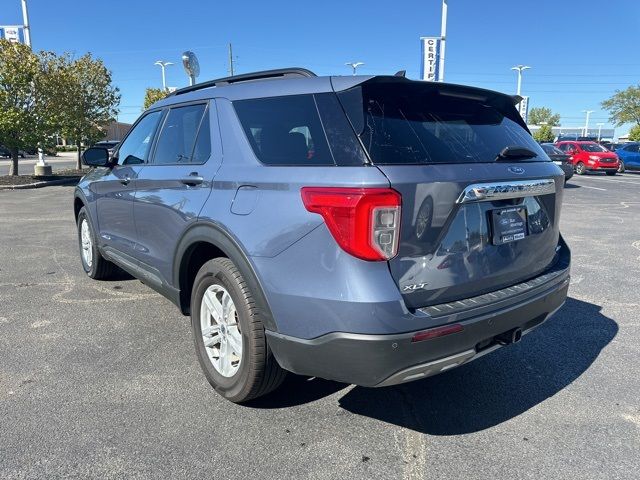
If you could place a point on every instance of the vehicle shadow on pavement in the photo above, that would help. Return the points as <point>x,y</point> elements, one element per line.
<point>571,185</point>
<point>498,386</point>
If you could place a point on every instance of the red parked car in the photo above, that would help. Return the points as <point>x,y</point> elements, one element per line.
<point>590,156</point>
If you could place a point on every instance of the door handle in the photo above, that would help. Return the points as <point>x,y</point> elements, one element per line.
<point>125,180</point>
<point>192,179</point>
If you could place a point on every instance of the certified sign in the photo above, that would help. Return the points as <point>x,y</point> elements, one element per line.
<point>430,58</point>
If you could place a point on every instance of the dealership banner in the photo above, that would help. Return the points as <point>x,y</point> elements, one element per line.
<point>430,59</point>
<point>523,108</point>
<point>11,34</point>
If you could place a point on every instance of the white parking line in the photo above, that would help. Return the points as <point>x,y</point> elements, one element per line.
<point>593,188</point>
<point>599,178</point>
<point>623,181</point>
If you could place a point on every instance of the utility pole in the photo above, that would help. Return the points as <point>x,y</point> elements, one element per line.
<point>230,60</point>
<point>586,123</point>
<point>354,66</point>
<point>520,69</point>
<point>162,64</point>
<point>599,129</point>
<point>25,20</point>
<point>443,39</point>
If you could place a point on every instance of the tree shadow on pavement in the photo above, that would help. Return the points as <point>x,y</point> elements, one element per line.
<point>498,386</point>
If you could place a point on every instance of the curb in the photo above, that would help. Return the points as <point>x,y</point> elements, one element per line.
<point>44,183</point>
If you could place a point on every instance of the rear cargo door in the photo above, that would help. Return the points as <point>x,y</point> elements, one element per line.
<point>472,221</point>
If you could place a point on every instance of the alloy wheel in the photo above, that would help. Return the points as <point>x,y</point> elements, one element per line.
<point>86,243</point>
<point>220,329</point>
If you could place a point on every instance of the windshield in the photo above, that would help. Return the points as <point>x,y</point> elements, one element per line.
<point>402,123</point>
<point>592,147</point>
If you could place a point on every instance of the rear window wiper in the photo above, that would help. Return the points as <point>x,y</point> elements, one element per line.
<point>515,152</point>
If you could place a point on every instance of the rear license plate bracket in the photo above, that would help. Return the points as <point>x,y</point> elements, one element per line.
<point>508,224</point>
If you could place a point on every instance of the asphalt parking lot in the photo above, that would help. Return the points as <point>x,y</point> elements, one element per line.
<point>99,379</point>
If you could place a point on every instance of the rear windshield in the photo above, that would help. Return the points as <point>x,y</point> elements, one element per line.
<point>551,150</point>
<point>408,123</point>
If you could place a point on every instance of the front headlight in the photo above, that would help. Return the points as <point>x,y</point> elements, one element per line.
<point>594,157</point>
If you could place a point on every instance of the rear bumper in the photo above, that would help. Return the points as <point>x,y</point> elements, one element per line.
<point>381,360</point>
<point>568,170</point>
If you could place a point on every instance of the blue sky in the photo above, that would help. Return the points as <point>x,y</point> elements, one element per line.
<point>580,51</point>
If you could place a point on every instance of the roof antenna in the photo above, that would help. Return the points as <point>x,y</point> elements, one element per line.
<point>400,73</point>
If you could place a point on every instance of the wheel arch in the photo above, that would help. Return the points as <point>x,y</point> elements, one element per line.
<point>78,203</point>
<point>202,242</point>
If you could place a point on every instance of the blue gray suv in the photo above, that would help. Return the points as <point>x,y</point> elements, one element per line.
<point>368,230</point>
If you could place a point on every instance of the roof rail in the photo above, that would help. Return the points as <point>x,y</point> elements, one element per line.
<point>265,74</point>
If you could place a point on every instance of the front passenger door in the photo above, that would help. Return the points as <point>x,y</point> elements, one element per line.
<point>116,189</point>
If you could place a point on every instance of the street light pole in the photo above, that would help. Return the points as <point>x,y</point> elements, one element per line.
<point>520,69</point>
<point>354,65</point>
<point>443,38</point>
<point>163,65</point>
<point>25,20</point>
<point>586,123</point>
<point>599,129</point>
<point>41,167</point>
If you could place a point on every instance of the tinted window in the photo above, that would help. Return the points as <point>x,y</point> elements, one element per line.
<point>551,150</point>
<point>285,130</point>
<point>202,149</point>
<point>632,148</point>
<point>410,123</point>
<point>178,135</point>
<point>592,147</point>
<point>135,148</point>
<point>565,147</point>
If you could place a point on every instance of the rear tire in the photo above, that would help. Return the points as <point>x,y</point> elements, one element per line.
<point>611,174</point>
<point>580,168</point>
<point>93,263</point>
<point>225,316</point>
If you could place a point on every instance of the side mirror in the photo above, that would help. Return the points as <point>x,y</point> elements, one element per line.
<point>96,157</point>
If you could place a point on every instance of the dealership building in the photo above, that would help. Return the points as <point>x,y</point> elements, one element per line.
<point>605,133</point>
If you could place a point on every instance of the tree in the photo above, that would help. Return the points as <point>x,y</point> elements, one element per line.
<point>634,133</point>
<point>540,115</point>
<point>544,134</point>
<point>624,106</point>
<point>88,100</point>
<point>152,95</point>
<point>27,116</point>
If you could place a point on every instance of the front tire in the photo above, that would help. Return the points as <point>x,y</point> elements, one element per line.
<point>93,263</point>
<point>621,167</point>
<point>580,168</point>
<point>229,335</point>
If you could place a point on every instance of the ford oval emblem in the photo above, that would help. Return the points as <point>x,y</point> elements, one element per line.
<point>516,170</point>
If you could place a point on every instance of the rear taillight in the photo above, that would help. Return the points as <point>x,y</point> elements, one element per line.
<point>364,221</point>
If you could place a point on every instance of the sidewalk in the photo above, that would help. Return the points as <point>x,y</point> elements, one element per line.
<point>63,161</point>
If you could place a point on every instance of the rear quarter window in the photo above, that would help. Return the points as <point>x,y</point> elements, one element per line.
<point>285,130</point>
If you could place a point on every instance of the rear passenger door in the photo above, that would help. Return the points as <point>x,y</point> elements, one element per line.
<point>174,185</point>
